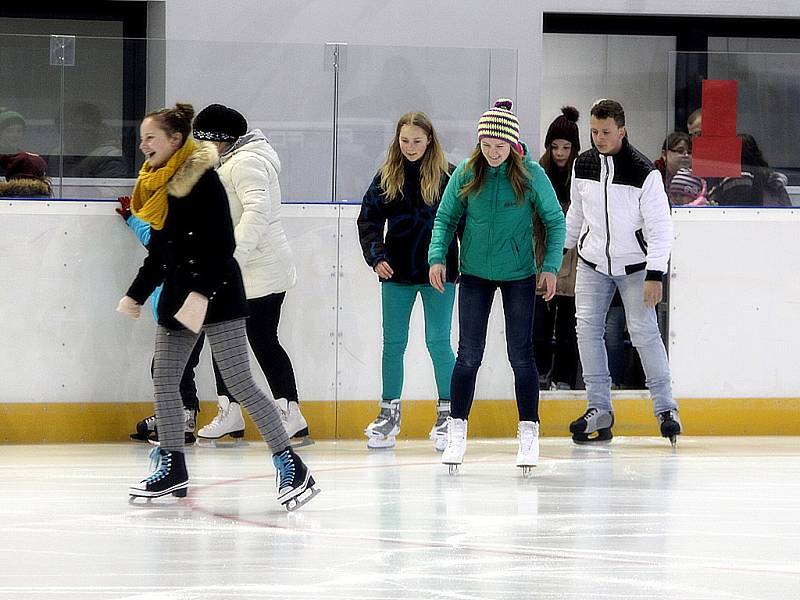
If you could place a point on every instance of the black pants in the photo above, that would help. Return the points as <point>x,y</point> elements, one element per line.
<point>188,389</point>
<point>556,317</point>
<point>262,333</point>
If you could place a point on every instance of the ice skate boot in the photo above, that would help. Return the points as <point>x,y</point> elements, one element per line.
<point>168,477</point>
<point>438,433</point>
<point>594,427</point>
<point>453,454</point>
<point>382,432</point>
<point>293,421</point>
<point>188,432</point>
<point>528,453</point>
<point>295,484</point>
<point>670,424</point>
<point>229,421</point>
<point>144,428</point>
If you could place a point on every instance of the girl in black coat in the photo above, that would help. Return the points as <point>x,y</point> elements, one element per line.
<point>191,253</point>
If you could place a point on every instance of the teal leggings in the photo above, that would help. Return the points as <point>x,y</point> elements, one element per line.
<point>398,301</point>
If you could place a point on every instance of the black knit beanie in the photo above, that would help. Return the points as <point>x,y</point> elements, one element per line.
<point>564,127</point>
<point>219,123</point>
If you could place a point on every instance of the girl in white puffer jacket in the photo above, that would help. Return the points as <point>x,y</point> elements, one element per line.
<point>248,169</point>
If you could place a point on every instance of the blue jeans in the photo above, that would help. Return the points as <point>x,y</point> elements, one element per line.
<point>593,294</point>
<point>475,296</point>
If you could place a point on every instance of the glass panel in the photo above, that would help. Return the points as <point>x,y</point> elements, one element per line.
<point>766,121</point>
<point>30,100</point>
<point>580,69</point>
<point>283,89</point>
<point>379,84</point>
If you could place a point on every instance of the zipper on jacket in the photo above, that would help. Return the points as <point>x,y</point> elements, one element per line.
<point>583,238</point>
<point>608,223</point>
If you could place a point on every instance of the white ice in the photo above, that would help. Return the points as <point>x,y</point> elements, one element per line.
<point>717,519</point>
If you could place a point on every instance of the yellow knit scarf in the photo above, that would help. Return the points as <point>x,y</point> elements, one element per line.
<point>149,201</point>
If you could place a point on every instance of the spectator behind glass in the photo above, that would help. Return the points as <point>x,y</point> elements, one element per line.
<point>758,185</point>
<point>687,190</point>
<point>694,123</point>
<point>676,153</point>
<point>12,131</point>
<point>91,149</point>
<point>26,176</point>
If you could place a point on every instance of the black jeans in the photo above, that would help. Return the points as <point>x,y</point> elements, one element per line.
<point>556,317</point>
<point>262,334</point>
<point>475,296</point>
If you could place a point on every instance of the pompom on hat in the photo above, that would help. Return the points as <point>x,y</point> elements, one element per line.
<point>564,127</point>
<point>219,123</point>
<point>500,123</point>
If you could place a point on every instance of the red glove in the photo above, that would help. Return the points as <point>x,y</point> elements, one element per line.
<point>124,209</point>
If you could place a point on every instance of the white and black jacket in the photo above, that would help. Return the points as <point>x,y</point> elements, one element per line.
<point>619,217</point>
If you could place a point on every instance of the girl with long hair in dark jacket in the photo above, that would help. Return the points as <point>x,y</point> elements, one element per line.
<point>405,194</point>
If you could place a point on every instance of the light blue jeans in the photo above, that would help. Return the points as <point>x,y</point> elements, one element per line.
<point>593,294</point>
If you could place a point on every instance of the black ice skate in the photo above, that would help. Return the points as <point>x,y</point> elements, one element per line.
<point>670,424</point>
<point>296,486</point>
<point>168,477</point>
<point>144,429</point>
<point>188,432</point>
<point>594,427</point>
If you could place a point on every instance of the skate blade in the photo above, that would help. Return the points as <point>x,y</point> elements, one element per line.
<point>301,442</point>
<point>376,443</point>
<point>220,442</point>
<point>138,498</point>
<point>302,499</point>
<point>527,470</point>
<point>452,469</point>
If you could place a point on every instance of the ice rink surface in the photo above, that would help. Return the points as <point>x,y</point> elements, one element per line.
<point>717,519</point>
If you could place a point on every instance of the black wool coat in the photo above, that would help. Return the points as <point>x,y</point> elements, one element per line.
<point>193,252</point>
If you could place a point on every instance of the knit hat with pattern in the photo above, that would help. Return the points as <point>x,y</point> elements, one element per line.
<point>219,123</point>
<point>500,123</point>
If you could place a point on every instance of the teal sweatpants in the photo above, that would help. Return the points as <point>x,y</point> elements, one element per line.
<point>398,301</point>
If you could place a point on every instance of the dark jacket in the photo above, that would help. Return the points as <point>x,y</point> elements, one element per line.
<point>194,250</point>
<point>410,222</point>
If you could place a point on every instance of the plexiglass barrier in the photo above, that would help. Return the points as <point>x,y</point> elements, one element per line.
<point>328,110</point>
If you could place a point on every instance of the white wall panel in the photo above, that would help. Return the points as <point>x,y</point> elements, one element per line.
<point>734,298</point>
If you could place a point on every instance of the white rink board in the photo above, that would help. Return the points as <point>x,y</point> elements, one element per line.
<point>734,302</point>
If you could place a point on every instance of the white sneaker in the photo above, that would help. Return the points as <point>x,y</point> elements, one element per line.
<point>229,421</point>
<point>293,421</point>
<point>438,433</point>
<point>453,454</point>
<point>528,454</point>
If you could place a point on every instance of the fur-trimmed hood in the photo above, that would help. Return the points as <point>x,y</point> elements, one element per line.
<point>25,188</point>
<point>204,157</point>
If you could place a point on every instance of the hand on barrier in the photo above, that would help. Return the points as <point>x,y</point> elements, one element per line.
<point>124,208</point>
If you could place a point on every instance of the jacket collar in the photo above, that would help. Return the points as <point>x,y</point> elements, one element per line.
<point>203,158</point>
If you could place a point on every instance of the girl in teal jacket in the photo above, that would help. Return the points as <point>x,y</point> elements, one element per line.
<point>498,188</point>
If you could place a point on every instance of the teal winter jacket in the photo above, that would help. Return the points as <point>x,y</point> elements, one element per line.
<point>498,237</point>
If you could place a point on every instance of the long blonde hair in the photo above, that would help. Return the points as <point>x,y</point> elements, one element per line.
<point>517,173</point>
<point>434,164</point>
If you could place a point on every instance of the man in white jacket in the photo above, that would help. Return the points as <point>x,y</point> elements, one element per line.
<point>620,222</point>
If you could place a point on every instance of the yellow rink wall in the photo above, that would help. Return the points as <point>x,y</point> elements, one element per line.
<point>113,422</point>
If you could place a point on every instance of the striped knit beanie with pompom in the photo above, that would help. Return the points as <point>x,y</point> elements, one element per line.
<point>500,123</point>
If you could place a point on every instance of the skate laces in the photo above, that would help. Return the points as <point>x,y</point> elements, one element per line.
<point>160,462</point>
<point>456,431</point>
<point>526,437</point>
<point>590,413</point>
<point>285,468</point>
<point>222,411</point>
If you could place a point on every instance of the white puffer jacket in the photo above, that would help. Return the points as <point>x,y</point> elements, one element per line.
<point>249,171</point>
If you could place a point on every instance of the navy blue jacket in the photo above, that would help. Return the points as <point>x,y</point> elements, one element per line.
<point>410,223</point>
